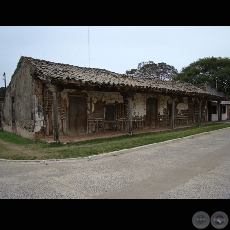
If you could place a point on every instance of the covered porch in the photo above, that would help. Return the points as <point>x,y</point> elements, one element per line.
<point>91,136</point>
<point>82,113</point>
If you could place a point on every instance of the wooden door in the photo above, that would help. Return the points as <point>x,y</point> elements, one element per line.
<point>209,111</point>
<point>77,115</point>
<point>110,112</point>
<point>169,106</point>
<point>151,112</point>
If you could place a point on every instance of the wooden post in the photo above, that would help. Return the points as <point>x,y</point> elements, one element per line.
<point>55,116</point>
<point>219,110</point>
<point>47,124</point>
<point>173,113</point>
<point>200,112</point>
<point>130,128</point>
<point>55,89</point>
<point>128,96</point>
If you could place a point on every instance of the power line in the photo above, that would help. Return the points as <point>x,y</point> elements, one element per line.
<point>88,46</point>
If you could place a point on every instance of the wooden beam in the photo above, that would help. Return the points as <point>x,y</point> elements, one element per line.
<point>200,112</point>
<point>130,128</point>
<point>55,90</point>
<point>129,96</point>
<point>219,110</point>
<point>173,112</point>
<point>55,116</point>
<point>47,124</point>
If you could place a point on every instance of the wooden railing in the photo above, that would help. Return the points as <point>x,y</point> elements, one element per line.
<point>101,125</point>
<point>165,120</point>
<point>181,119</point>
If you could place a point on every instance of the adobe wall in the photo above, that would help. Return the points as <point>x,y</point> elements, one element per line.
<point>22,113</point>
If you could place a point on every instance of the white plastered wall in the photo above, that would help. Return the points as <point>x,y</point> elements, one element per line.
<point>162,104</point>
<point>106,97</point>
<point>184,105</point>
<point>139,105</point>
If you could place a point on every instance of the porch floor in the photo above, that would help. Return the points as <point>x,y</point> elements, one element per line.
<point>91,136</point>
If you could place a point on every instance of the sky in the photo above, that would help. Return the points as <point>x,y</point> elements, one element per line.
<point>114,48</point>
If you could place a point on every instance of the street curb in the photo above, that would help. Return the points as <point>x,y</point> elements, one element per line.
<point>102,155</point>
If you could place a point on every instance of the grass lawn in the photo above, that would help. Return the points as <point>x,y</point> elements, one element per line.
<point>17,148</point>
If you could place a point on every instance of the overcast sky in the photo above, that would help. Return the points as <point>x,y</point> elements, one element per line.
<point>114,48</point>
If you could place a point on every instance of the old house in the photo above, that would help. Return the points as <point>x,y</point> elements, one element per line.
<point>47,98</point>
<point>224,110</point>
<point>219,110</point>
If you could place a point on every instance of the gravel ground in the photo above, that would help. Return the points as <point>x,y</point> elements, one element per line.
<point>188,168</point>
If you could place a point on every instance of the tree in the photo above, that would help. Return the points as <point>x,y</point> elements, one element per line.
<point>212,70</point>
<point>150,69</point>
<point>131,72</point>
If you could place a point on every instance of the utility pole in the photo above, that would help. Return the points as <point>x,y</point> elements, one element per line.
<point>88,46</point>
<point>4,78</point>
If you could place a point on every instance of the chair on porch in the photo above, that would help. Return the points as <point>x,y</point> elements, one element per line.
<point>163,120</point>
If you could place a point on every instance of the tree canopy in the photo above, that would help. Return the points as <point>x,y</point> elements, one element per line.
<point>212,70</point>
<point>150,69</point>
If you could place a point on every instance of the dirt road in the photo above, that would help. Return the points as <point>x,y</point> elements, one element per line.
<point>191,168</point>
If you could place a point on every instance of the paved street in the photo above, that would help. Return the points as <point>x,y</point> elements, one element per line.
<point>189,168</point>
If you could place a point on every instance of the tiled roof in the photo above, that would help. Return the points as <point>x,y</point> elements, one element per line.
<point>65,73</point>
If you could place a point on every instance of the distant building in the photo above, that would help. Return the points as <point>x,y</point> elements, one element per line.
<point>224,110</point>
<point>218,110</point>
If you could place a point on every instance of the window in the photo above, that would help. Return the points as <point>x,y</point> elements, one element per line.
<point>214,110</point>
<point>223,109</point>
<point>109,112</point>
